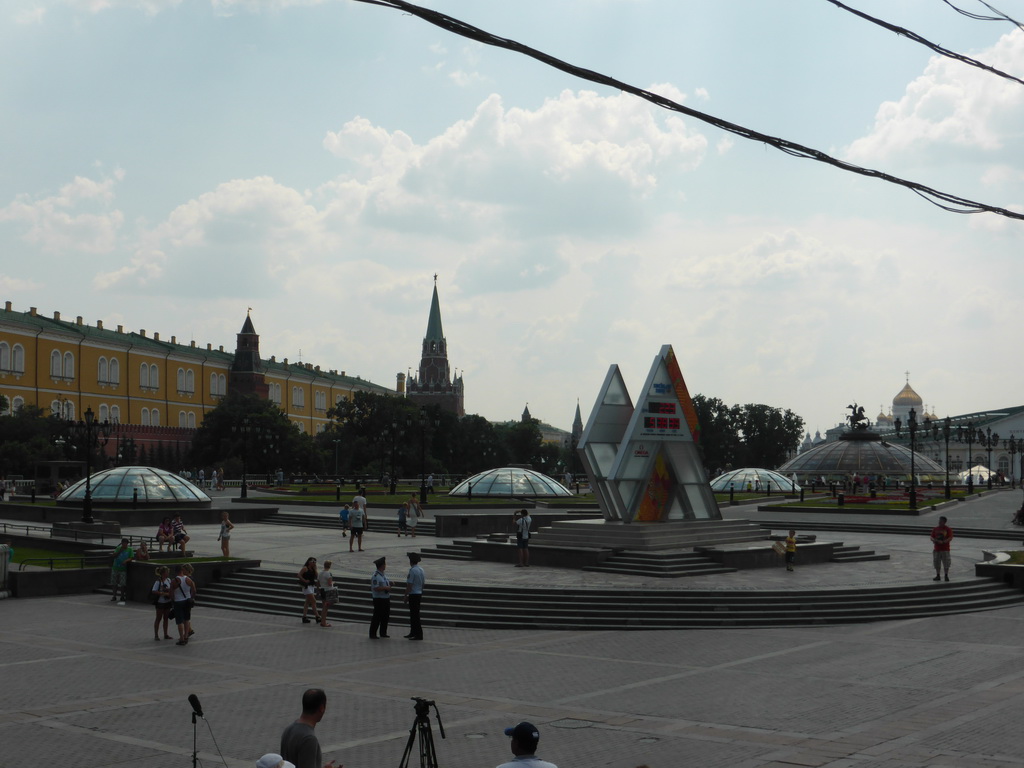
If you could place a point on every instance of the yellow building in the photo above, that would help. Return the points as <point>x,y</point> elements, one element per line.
<point>158,390</point>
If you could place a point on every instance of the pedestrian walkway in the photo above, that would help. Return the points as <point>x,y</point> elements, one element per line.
<point>84,685</point>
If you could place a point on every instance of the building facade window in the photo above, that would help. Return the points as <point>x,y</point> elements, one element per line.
<point>154,417</point>
<point>104,414</point>
<point>115,414</point>
<point>149,377</point>
<point>17,404</point>
<point>191,421</point>
<point>102,371</point>
<point>69,365</point>
<point>218,384</point>
<point>63,409</point>
<point>114,372</point>
<point>275,393</point>
<point>298,397</point>
<point>56,369</point>
<point>5,357</point>
<point>181,419</point>
<point>145,417</point>
<point>17,359</point>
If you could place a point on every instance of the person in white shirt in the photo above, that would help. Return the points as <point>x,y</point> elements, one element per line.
<point>525,737</point>
<point>522,523</point>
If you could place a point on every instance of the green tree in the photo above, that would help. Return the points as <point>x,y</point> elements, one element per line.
<point>252,430</point>
<point>29,436</point>
<point>519,442</point>
<point>720,442</point>
<point>769,435</point>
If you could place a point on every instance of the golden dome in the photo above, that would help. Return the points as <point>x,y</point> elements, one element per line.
<point>907,397</point>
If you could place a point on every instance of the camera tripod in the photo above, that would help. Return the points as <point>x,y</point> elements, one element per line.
<point>421,728</point>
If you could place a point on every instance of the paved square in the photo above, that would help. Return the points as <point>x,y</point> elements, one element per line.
<point>83,685</point>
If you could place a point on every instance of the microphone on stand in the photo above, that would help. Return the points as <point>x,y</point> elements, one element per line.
<point>196,707</point>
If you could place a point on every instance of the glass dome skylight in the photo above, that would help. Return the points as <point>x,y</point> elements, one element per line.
<point>119,484</point>
<point>509,482</point>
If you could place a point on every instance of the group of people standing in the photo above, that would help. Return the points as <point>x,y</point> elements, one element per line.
<point>314,583</point>
<point>174,597</point>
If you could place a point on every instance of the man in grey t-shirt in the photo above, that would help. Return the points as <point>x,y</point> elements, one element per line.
<point>299,744</point>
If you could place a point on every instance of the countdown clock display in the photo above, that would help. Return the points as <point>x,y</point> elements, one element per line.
<point>662,422</point>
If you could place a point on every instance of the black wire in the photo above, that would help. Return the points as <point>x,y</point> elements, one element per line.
<point>1000,16</point>
<point>944,200</point>
<point>904,32</point>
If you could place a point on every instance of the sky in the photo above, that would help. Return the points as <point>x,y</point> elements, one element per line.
<point>168,164</point>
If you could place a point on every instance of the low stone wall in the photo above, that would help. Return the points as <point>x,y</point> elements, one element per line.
<point>40,583</point>
<point>135,516</point>
<point>996,567</point>
<point>455,525</point>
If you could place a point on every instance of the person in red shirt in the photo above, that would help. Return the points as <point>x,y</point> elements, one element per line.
<point>942,534</point>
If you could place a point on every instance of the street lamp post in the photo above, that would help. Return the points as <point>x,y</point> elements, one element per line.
<point>1012,448</point>
<point>91,433</point>
<point>945,431</point>
<point>912,429</point>
<point>966,435</point>
<point>988,440</point>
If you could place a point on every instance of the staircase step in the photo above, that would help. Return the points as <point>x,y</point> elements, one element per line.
<point>277,592</point>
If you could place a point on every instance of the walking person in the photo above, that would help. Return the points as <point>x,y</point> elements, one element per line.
<point>161,596</point>
<point>790,550</point>
<point>941,535</point>
<point>328,592</point>
<point>414,583</point>
<point>183,595</point>
<point>358,519</point>
<point>343,514</point>
<point>403,519</point>
<point>414,513</point>
<point>309,583</point>
<point>380,591</point>
<point>522,524</point>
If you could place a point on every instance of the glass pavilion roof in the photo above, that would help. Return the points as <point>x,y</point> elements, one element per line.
<point>510,481</point>
<point>860,456</point>
<point>154,486</point>
<point>757,479</point>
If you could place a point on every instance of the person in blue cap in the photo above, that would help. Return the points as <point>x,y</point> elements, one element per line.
<point>525,737</point>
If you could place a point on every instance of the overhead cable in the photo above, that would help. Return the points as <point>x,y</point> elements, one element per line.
<point>945,200</point>
<point>904,32</point>
<point>1000,16</point>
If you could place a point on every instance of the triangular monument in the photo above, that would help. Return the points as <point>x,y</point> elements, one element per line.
<point>643,462</point>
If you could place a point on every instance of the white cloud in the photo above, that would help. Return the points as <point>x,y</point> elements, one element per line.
<point>242,236</point>
<point>952,113</point>
<point>78,218</point>
<point>576,163</point>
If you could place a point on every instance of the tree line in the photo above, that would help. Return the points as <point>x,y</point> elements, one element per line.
<point>374,435</point>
